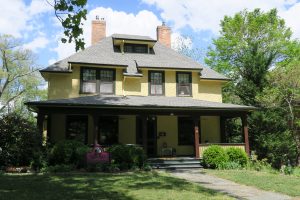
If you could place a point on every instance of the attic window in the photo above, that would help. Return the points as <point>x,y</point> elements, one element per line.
<point>117,48</point>
<point>135,48</point>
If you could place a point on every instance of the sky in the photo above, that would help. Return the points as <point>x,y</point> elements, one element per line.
<point>196,22</point>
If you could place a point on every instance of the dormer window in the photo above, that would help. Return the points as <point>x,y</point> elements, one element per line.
<point>135,48</point>
<point>97,81</point>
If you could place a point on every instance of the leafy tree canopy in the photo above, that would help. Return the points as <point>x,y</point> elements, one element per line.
<point>71,13</point>
<point>19,78</point>
<point>250,43</point>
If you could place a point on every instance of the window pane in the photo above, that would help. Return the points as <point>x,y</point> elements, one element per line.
<point>89,87</point>
<point>106,87</point>
<point>184,89</point>
<point>156,89</point>
<point>89,74</point>
<point>77,128</point>
<point>108,133</point>
<point>183,78</point>
<point>106,75</point>
<point>156,78</point>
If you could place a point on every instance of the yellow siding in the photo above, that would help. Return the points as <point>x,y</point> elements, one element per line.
<point>169,125</point>
<point>58,128</point>
<point>170,83</point>
<point>210,129</point>
<point>127,129</point>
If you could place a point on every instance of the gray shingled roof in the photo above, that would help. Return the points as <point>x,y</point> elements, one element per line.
<point>133,37</point>
<point>142,101</point>
<point>103,53</point>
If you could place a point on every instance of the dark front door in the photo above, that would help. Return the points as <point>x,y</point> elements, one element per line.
<point>151,134</point>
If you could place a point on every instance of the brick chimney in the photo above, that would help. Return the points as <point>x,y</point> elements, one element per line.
<point>164,35</point>
<point>98,30</point>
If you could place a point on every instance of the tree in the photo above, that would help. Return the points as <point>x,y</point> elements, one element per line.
<point>19,77</point>
<point>70,13</point>
<point>283,92</point>
<point>250,43</point>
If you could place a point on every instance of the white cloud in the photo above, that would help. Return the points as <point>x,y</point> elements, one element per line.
<point>206,15</point>
<point>37,43</point>
<point>16,17</point>
<point>143,23</point>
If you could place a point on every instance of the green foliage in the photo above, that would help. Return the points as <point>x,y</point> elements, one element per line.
<point>260,165</point>
<point>19,140</point>
<point>68,152</point>
<point>237,155</point>
<point>229,165</point>
<point>58,168</point>
<point>249,44</point>
<point>214,156</point>
<point>127,156</point>
<point>70,14</point>
<point>19,76</point>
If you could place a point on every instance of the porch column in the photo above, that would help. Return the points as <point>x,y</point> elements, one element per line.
<point>40,122</point>
<point>196,136</point>
<point>96,128</point>
<point>245,131</point>
<point>144,132</point>
<point>222,129</point>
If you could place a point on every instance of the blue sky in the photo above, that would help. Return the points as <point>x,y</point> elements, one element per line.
<point>195,21</point>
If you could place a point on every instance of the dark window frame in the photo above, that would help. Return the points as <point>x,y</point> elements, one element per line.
<point>190,84</point>
<point>98,80</point>
<point>134,47</point>
<point>179,123</point>
<point>149,82</point>
<point>67,121</point>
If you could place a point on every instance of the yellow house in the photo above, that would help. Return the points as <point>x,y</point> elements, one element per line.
<point>133,89</point>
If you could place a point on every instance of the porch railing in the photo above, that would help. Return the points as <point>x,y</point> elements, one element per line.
<point>202,147</point>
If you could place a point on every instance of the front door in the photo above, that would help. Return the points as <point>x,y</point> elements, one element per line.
<point>151,134</point>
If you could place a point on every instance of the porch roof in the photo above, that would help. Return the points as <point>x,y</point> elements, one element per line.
<point>140,102</point>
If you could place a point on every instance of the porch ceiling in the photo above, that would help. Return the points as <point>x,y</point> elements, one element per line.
<point>140,103</point>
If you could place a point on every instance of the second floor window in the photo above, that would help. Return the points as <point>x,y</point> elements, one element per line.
<point>97,80</point>
<point>184,84</point>
<point>156,83</point>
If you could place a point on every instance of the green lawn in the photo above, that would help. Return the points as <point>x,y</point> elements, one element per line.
<point>138,185</point>
<point>285,184</point>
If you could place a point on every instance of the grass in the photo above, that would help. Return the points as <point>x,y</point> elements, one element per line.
<point>286,184</point>
<point>127,186</point>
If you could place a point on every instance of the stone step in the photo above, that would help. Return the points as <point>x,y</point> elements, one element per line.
<point>177,167</point>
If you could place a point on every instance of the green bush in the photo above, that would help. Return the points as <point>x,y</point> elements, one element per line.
<point>229,165</point>
<point>214,156</point>
<point>58,168</point>
<point>237,155</point>
<point>68,152</point>
<point>127,156</point>
<point>19,140</point>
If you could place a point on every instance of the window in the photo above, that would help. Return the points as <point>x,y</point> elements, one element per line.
<point>184,84</point>
<point>97,80</point>
<point>77,128</point>
<point>185,131</point>
<point>135,48</point>
<point>108,130</point>
<point>106,82</point>
<point>89,81</point>
<point>156,82</point>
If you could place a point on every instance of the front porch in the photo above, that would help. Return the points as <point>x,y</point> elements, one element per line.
<point>161,130</point>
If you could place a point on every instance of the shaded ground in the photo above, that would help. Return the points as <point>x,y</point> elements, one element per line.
<point>225,186</point>
<point>127,186</point>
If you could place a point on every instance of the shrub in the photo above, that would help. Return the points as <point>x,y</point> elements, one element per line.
<point>19,140</point>
<point>214,156</point>
<point>59,168</point>
<point>229,165</point>
<point>127,156</point>
<point>237,155</point>
<point>68,152</point>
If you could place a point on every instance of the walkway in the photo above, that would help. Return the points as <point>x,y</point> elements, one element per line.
<point>225,186</point>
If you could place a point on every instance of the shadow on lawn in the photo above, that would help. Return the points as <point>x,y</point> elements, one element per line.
<point>90,186</point>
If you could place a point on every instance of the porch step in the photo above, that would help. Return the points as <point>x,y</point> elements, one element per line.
<point>174,163</point>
